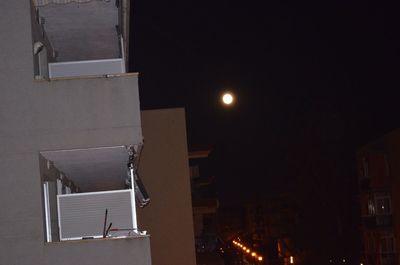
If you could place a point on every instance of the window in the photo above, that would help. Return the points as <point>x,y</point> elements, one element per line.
<point>387,250</point>
<point>387,244</point>
<point>371,207</point>
<point>87,192</point>
<point>383,205</point>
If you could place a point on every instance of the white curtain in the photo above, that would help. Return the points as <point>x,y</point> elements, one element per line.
<point>46,2</point>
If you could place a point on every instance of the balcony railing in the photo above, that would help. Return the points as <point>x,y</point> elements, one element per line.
<point>89,67</point>
<point>82,215</point>
<point>389,259</point>
<point>377,221</point>
<point>47,66</point>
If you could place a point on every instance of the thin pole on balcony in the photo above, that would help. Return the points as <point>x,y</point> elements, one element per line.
<point>133,201</point>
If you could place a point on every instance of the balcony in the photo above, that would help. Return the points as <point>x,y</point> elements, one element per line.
<point>91,193</point>
<point>379,221</point>
<point>389,258</point>
<point>78,39</point>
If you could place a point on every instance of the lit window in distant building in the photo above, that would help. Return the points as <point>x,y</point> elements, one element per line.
<point>383,205</point>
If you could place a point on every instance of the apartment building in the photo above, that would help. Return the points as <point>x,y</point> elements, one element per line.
<point>379,172</point>
<point>71,141</point>
<point>270,226</point>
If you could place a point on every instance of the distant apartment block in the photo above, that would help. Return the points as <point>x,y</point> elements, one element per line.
<point>379,177</point>
<point>270,227</point>
<point>204,199</point>
<point>205,206</point>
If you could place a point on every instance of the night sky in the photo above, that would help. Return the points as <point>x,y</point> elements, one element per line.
<point>313,80</point>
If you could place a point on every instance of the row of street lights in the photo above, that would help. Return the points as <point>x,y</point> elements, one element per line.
<point>247,250</point>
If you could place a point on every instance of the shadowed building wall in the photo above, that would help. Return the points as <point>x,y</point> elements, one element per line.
<point>165,173</point>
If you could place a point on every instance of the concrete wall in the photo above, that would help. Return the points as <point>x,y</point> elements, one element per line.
<point>111,251</point>
<point>65,114</point>
<point>164,168</point>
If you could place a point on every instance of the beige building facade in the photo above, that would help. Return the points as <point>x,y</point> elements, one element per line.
<point>165,172</point>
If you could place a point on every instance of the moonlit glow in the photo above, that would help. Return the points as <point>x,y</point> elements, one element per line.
<point>227,99</point>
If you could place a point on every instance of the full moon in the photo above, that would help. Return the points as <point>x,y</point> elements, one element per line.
<point>227,99</point>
